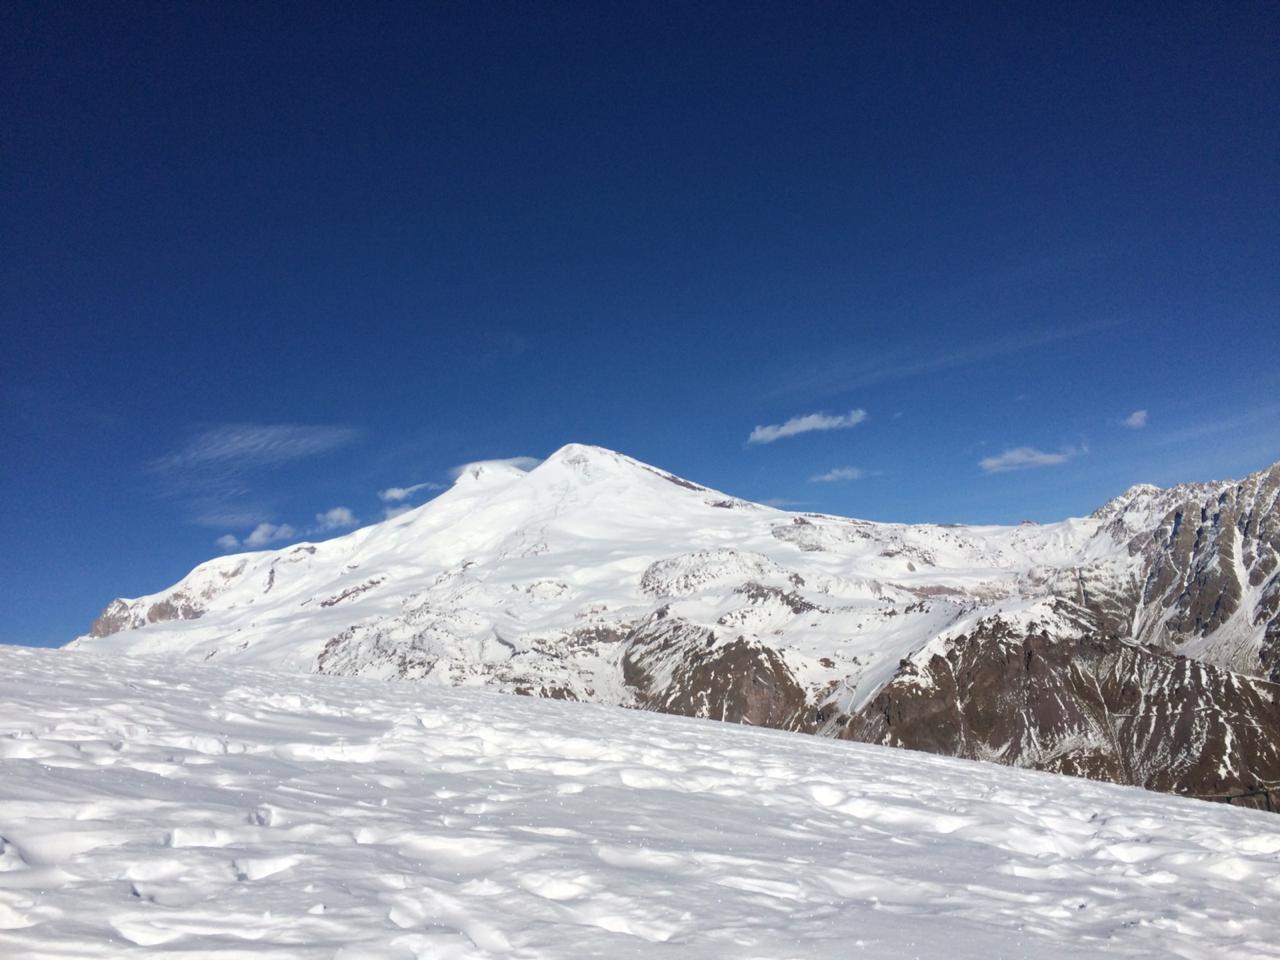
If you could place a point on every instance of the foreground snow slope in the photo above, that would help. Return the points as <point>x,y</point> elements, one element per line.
<point>163,809</point>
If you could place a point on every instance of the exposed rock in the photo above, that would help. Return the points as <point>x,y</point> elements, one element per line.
<point>176,606</point>
<point>676,667</point>
<point>689,573</point>
<point>350,592</point>
<point>1093,707</point>
<point>117,616</point>
<point>1211,567</point>
<point>760,593</point>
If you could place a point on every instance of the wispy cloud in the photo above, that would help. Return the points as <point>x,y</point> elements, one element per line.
<point>247,445</point>
<point>217,470</point>
<point>1028,458</point>
<point>520,463</point>
<point>837,474</point>
<point>228,542</point>
<point>1245,423</point>
<point>399,494</point>
<point>1136,420</point>
<point>390,513</point>
<point>234,516</point>
<point>836,375</point>
<point>807,423</point>
<point>339,518</point>
<point>265,533</point>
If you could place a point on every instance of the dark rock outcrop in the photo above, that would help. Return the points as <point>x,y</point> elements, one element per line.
<point>1094,707</point>
<point>115,617</point>
<point>1213,573</point>
<point>677,667</point>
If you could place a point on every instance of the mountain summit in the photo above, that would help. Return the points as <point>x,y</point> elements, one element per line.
<point>594,576</point>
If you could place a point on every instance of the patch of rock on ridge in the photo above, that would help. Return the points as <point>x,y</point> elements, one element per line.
<point>678,667</point>
<point>1093,706</point>
<point>689,573</point>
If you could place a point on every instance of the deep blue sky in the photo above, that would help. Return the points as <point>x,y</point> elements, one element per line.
<point>262,261</point>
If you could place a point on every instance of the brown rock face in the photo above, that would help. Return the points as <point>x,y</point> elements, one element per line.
<point>676,667</point>
<point>177,606</point>
<point>114,618</point>
<point>1213,566</point>
<point>1092,707</point>
<point>120,615</point>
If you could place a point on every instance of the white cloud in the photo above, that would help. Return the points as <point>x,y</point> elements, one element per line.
<point>339,518</point>
<point>390,513</point>
<point>265,533</point>
<point>1137,420</point>
<point>1027,458</point>
<point>837,474</point>
<point>397,494</point>
<point>227,542</point>
<point>520,463</point>
<point>806,424</point>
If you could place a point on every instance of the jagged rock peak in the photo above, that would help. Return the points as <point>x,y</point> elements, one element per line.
<point>1137,494</point>
<point>1146,498</point>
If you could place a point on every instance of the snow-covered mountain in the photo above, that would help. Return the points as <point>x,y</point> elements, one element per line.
<point>596,577</point>
<point>162,809</point>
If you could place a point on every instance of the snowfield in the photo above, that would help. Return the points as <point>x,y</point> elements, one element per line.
<point>152,808</point>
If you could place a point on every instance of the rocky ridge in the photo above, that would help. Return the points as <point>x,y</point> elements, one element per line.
<point>596,577</point>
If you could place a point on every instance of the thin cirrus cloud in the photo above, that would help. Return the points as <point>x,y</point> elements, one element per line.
<point>808,423</point>
<point>1136,420</point>
<point>400,494</point>
<point>246,446</point>
<point>836,374</point>
<point>237,516</point>
<point>838,474</point>
<point>215,472</point>
<point>1029,458</point>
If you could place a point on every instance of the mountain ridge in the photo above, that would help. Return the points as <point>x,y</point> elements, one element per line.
<point>595,576</point>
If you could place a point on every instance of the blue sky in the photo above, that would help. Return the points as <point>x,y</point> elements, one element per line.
<point>262,263</point>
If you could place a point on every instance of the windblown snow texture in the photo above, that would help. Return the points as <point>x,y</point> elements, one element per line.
<point>163,809</point>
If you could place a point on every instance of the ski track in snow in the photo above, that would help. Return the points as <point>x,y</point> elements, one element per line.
<point>150,808</point>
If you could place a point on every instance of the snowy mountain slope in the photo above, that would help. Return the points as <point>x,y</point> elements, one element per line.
<point>159,808</point>
<point>596,577</point>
